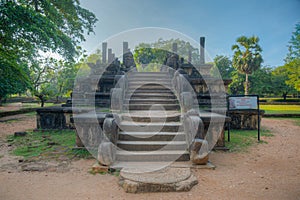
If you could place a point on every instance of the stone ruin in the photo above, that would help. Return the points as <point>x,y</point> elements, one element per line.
<point>114,69</point>
<point>176,92</point>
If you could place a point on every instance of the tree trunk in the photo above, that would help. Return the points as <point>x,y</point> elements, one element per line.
<point>42,99</point>
<point>36,6</point>
<point>284,96</point>
<point>42,103</point>
<point>247,85</point>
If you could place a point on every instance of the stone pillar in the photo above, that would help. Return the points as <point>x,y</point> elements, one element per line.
<point>190,55</point>
<point>109,55</point>
<point>174,48</point>
<point>125,50</point>
<point>104,49</point>
<point>113,57</point>
<point>202,47</point>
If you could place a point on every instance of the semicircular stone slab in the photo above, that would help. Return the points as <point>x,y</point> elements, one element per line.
<point>164,180</point>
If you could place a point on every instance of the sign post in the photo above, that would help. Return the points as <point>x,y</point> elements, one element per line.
<point>244,102</point>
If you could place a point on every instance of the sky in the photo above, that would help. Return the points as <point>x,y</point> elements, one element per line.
<point>219,21</point>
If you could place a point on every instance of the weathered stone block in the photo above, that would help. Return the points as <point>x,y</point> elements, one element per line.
<point>117,99</point>
<point>193,127</point>
<point>110,129</point>
<point>244,119</point>
<point>97,168</point>
<point>186,100</point>
<point>106,153</point>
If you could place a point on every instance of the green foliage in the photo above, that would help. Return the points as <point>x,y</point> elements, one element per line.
<point>29,28</point>
<point>280,80</point>
<point>264,81</point>
<point>292,61</point>
<point>293,72</point>
<point>261,82</point>
<point>294,45</point>
<point>157,52</point>
<point>43,79</point>
<point>222,66</point>
<point>236,87</point>
<point>247,57</point>
<point>13,78</point>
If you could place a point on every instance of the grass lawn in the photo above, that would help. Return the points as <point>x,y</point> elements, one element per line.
<point>268,99</point>
<point>240,140</point>
<point>281,109</point>
<point>48,145</point>
<point>36,105</point>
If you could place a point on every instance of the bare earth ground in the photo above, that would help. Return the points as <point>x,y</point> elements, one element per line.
<point>267,171</point>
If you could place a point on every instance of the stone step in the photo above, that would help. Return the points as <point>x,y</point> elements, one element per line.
<point>149,91</point>
<point>143,80</point>
<point>134,86</point>
<point>152,107</point>
<point>151,166</point>
<point>151,136</point>
<point>142,95</point>
<point>152,116</point>
<point>150,79</point>
<point>152,156</point>
<point>152,101</point>
<point>148,74</point>
<point>151,127</point>
<point>152,145</point>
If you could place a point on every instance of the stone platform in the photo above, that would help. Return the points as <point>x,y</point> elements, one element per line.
<point>168,179</point>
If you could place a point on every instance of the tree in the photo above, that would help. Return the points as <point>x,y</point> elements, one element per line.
<point>158,51</point>
<point>222,66</point>
<point>236,87</point>
<point>264,81</point>
<point>31,27</point>
<point>43,79</point>
<point>13,78</point>
<point>247,57</point>
<point>293,73</point>
<point>294,45</point>
<point>261,82</point>
<point>279,82</point>
<point>292,61</point>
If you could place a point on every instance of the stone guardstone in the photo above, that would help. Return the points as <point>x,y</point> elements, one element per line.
<point>168,179</point>
<point>106,153</point>
<point>197,156</point>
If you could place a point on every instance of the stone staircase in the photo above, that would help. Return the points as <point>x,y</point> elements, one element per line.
<point>151,130</point>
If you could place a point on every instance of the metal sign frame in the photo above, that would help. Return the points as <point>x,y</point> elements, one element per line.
<point>229,108</point>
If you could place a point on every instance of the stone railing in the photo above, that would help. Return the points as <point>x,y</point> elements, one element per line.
<point>190,116</point>
<point>118,93</point>
<point>107,147</point>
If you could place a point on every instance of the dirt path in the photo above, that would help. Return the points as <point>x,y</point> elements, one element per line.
<point>267,171</point>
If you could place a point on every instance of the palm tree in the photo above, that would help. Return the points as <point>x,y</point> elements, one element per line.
<point>247,57</point>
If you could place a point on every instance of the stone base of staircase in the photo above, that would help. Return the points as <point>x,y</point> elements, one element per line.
<point>164,180</point>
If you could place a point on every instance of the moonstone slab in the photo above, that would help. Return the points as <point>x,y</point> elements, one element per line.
<point>165,180</point>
